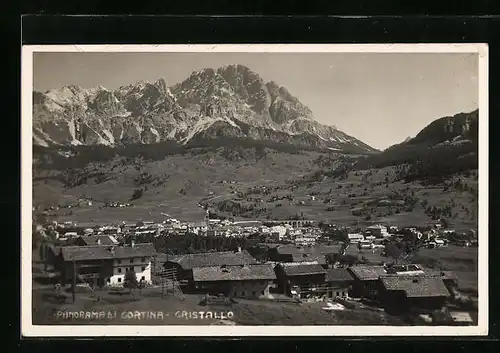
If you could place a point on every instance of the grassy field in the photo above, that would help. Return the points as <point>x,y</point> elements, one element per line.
<point>463,261</point>
<point>173,186</point>
<point>46,309</point>
<point>176,185</point>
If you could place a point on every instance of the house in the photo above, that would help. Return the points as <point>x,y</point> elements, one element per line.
<point>218,232</point>
<point>305,241</point>
<point>279,230</point>
<point>404,293</point>
<point>365,244</point>
<point>128,227</point>
<point>439,242</point>
<point>297,223</point>
<point>366,280</point>
<point>70,235</point>
<point>449,279</point>
<point>378,230</point>
<point>301,278</point>
<point>184,264</point>
<point>105,265</point>
<point>406,270</point>
<point>110,230</point>
<point>339,282</point>
<point>293,253</point>
<point>354,238</point>
<point>96,240</point>
<point>244,281</point>
<point>435,224</point>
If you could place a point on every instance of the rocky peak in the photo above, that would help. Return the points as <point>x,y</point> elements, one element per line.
<point>231,101</point>
<point>249,86</point>
<point>105,103</point>
<point>161,85</point>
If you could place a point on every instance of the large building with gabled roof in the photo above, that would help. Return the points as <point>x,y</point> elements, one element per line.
<point>105,265</point>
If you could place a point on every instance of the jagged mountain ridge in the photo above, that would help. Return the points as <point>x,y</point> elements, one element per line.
<point>232,101</point>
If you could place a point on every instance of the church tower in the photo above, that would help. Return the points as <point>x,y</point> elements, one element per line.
<point>207,218</point>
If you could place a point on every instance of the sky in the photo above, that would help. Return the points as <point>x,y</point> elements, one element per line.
<point>378,98</point>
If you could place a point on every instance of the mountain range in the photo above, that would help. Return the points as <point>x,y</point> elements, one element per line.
<point>229,102</point>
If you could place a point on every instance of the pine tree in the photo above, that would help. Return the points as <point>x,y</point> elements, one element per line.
<point>130,280</point>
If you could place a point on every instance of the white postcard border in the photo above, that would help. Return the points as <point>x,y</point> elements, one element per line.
<point>30,330</point>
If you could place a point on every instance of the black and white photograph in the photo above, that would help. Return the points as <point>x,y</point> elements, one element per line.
<point>270,189</point>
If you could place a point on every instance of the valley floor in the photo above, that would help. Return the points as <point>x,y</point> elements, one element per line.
<point>276,186</point>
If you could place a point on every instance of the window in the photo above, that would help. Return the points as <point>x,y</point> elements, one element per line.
<point>119,270</point>
<point>415,281</point>
<point>119,280</point>
<point>262,292</point>
<point>118,261</point>
<point>143,268</point>
<point>338,294</point>
<point>131,269</point>
<point>131,261</point>
<point>143,259</point>
<point>143,278</point>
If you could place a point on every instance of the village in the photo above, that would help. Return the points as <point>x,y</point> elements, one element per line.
<point>281,262</point>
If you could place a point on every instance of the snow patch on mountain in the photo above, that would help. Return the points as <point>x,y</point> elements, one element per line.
<point>146,112</point>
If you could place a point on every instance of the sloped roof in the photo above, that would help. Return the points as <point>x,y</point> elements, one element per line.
<point>80,253</point>
<point>415,287</point>
<point>308,258</point>
<point>99,252</point>
<point>228,258</point>
<point>302,268</point>
<point>92,239</point>
<point>367,273</point>
<point>338,274</point>
<point>143,249</point>
<point>441,274</point>
<point>234,273</point>
<point>197,224</point>
<point>376,226</point>
<point>316,250</point>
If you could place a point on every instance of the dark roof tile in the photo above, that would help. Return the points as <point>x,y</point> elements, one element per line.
<point>302,268</point>
<point>367,273</point>
<point>338,274</point>
<point>99,252</point>
<point>234,273</point>
<point>229,258</point>
<point>415,287</point>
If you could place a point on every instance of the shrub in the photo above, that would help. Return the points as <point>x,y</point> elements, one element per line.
<point>130,280</point>
<point>137,194</point>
